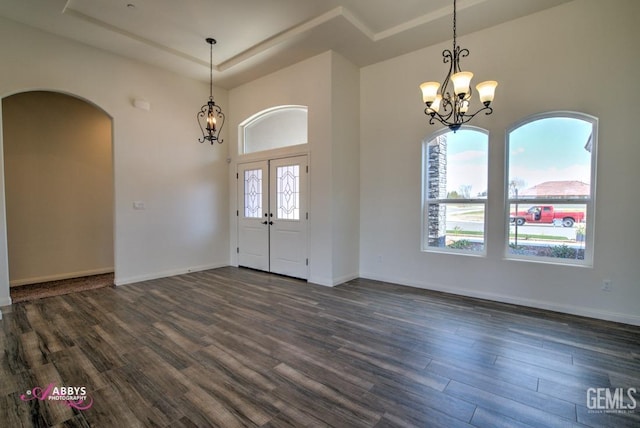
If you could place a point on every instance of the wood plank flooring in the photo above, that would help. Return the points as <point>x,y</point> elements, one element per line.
<point>23,293</point>
<point>237,348</point>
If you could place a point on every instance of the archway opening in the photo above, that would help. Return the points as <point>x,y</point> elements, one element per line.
<point>58,172</point>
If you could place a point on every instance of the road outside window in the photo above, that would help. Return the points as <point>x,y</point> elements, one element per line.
<point>550,182</point>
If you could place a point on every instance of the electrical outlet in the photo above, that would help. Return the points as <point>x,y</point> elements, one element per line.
<point>606,285</point>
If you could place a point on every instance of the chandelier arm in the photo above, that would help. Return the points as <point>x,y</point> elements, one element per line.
<point>201,114</point>
<point>459,118</point>
<point>437,116</point>
<point>448,58</point>
<point>468,117</point>
<point>220,114</point>
<point>448,104</point>
<point>463,53</point>
<point>434,117</point>
<point>453,126</point>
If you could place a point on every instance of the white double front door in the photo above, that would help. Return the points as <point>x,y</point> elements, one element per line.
<point>272,216</point>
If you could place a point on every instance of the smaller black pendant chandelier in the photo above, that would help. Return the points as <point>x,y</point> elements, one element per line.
<point>455,104</point>
<point>210,113</point>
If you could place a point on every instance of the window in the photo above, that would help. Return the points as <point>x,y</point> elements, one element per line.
<point>288,192</point>
<point>253,193</point>
<point>274,128</point>
<point>455,191</point>
<point>551,162</point>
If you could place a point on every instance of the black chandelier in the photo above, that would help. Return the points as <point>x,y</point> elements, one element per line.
<point>211,112</point>
<point>455,106</point>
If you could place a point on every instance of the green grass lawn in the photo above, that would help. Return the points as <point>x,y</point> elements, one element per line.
<point>523,236</point>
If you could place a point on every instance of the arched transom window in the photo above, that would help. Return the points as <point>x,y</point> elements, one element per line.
<point>274,128</point>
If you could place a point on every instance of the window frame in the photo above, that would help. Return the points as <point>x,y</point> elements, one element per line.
<point>265,114</point>
<point>588,202</point>
<point>426,201</point>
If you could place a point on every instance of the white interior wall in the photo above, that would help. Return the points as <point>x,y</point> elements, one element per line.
<point>157,158</point>
<point>329,85</point>
<point>345,84</point>
<point>576,57</point>
<point>306,83</point>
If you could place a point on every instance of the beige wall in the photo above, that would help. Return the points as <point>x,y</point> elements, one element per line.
<point>59,187</point>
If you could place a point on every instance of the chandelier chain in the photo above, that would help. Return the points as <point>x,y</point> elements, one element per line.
<point>211,71</point>
<point>454,25</point>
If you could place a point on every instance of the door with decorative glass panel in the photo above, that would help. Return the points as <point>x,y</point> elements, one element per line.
<point>272,216</point>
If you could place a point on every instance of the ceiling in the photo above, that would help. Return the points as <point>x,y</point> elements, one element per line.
<point>257,37</point>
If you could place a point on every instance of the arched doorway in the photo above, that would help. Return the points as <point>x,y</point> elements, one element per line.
<point>58,173</point>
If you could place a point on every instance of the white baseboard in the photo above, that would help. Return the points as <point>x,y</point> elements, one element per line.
<point>165,274</point>
<point>538,304</point>
<point>59,276</point>
<point>345,278</point>
<point>318,280</point>
<point>6,303</point>
<point>332,282</point>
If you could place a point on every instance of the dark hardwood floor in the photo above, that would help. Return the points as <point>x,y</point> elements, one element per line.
<point>41,290</point>
<point>232,347</point>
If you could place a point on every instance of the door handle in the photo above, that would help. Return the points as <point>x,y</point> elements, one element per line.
<point>264,222</point>
<point>270,223</point>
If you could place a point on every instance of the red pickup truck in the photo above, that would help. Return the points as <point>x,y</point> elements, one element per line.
<point>546,214</point>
